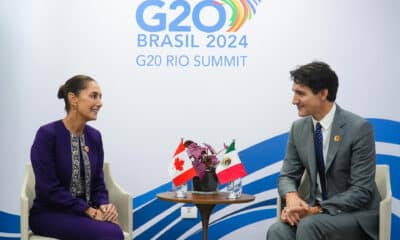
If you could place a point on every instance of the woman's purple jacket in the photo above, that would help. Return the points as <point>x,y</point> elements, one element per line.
<point>51,159</point>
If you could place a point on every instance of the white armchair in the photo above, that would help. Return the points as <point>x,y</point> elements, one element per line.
<point>121,199</point>
<point>382,179</point>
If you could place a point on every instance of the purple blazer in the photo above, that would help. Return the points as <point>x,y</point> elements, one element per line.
<point>51,158</point>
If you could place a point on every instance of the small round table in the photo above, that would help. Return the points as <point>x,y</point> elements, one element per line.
<point>205,203</point>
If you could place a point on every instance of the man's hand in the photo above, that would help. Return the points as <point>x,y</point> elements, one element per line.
<point>294,214</point>
<point>296,209</point>
<point>293,200</point>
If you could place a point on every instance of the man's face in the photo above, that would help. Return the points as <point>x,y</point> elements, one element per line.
<point>306,101</point>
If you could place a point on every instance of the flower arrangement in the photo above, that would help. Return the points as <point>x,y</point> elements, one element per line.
<point>204,160</point>
<point>203,157</point>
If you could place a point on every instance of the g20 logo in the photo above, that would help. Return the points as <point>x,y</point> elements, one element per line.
<point>241,11</point>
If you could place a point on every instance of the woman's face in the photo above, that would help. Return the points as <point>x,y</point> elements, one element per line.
<point>88,102</point>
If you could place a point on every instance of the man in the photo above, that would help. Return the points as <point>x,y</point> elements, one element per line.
<point>336,149</point>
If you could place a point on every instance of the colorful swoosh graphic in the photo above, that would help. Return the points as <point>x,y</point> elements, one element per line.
<point>242,10</point>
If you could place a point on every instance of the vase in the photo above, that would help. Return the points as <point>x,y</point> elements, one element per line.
<point>209,183</point>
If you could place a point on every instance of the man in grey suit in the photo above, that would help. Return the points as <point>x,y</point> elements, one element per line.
<point>336,150</point>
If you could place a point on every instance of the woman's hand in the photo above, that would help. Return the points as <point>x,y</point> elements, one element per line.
<point>109,213</point>
<point>94,214</point>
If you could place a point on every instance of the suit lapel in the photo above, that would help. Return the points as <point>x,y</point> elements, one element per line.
<point>337,134</point>
<point>309,141</point>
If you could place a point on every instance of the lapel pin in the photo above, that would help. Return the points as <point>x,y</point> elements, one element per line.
<point>86,149</point>
<point>336,138</point>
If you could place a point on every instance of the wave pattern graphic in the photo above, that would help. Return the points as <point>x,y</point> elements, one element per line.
<point>262,162</point>
<point>242,10</point>
<point>155,219</point>
<point>9,226</point>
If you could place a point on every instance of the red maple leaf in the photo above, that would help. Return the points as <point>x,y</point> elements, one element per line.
<point>179,164</point>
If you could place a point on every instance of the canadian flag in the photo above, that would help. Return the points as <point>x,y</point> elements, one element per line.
<point>181,169</point>
<point>230,167</point>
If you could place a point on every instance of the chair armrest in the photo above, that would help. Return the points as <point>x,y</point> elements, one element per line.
<point>24,203</point>
<point>122,200</point>
<point>278,207</point>
<point>385,217</point>
<point>24,220</point>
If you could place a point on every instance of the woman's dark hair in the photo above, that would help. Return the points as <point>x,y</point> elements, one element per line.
<point>317,76</point>
<point>73,85</point>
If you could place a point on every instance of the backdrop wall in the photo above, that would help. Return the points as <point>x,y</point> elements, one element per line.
<point>211,71</point>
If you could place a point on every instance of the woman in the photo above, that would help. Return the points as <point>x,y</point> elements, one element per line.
<point>67,159</point>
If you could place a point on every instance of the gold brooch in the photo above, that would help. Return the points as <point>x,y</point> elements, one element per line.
<point>336,138</point>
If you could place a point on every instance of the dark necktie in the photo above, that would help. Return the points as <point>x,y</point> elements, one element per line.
<point>320,158</point>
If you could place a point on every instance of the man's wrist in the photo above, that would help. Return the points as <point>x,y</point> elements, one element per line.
<point>316,210</point>
<point>291,195</point>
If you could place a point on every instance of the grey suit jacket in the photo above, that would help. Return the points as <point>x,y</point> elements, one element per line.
<point>349,168</point>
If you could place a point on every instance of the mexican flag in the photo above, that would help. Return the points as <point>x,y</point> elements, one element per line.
<point>230,168</point>
<point>181,169</point>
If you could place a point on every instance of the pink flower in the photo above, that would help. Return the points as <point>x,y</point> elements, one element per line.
<point>203,157</point>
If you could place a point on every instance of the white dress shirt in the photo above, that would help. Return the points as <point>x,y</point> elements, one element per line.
<point>326,127</point>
